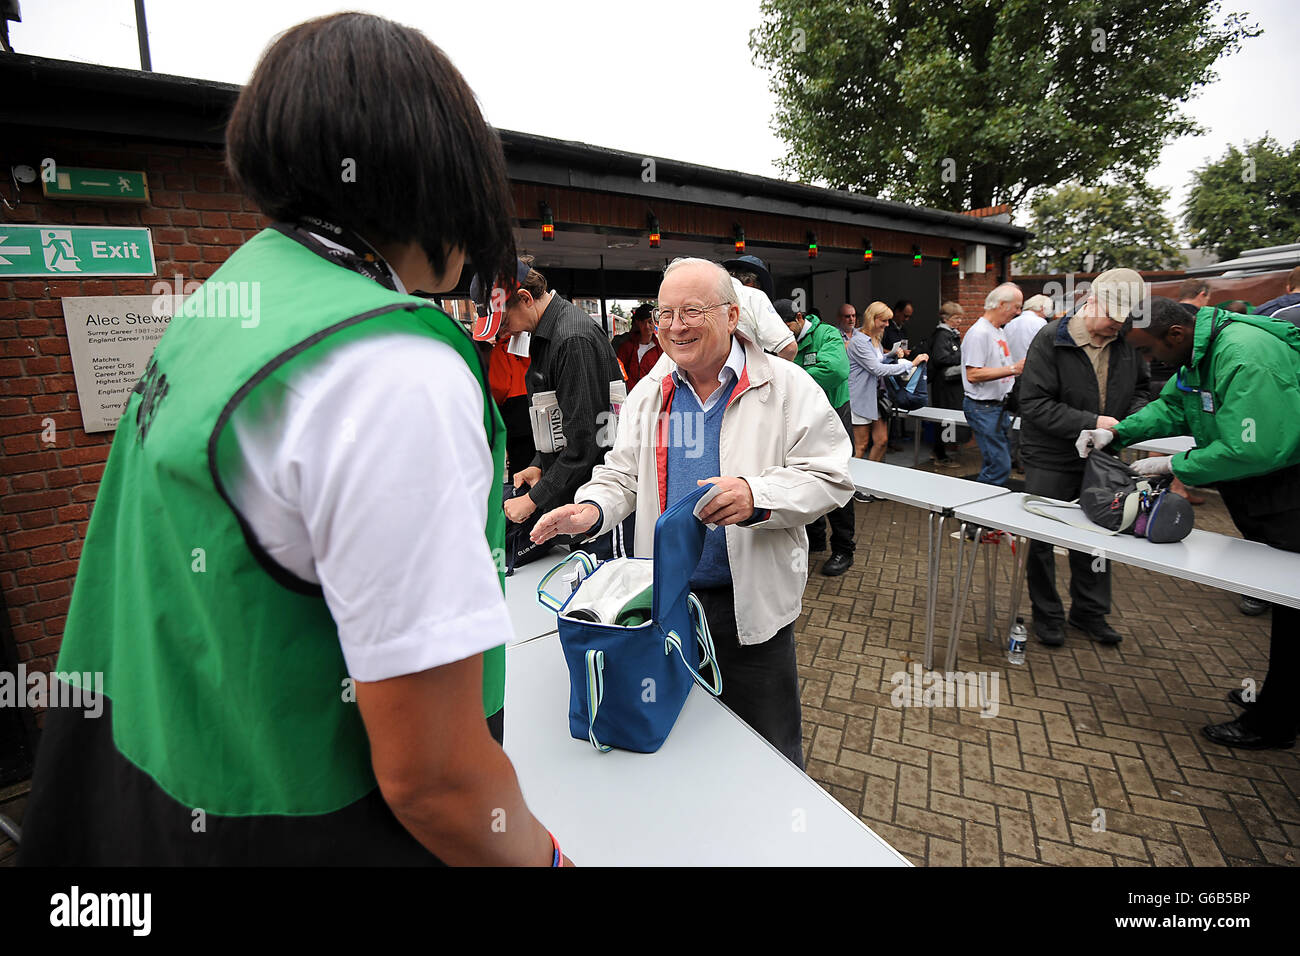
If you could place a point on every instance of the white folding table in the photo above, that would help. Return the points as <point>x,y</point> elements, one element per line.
<point>715,794</point>
<point>1165,446</point>
<point>939,416</point>
<point>937,494</point>
<point>1220,561</point>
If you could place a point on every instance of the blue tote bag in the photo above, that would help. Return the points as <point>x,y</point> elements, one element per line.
<point>627,684</point>
<point>912,395</point>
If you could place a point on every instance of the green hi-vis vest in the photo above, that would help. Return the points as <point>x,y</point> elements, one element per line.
<point>227,682</point>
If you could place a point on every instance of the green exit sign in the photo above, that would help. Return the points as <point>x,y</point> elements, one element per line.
<point>73,251</point>
<point>114,185</point>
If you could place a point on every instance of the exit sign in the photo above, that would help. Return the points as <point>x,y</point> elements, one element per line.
<point>75,251</point>
<point>114,185</point>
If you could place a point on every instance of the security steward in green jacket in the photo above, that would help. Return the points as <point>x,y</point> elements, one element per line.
<point>1237,392</point>
<point>823,356</point>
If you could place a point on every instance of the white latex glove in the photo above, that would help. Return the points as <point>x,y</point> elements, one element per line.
<point>1154,467</point>
<point>1091,438</point>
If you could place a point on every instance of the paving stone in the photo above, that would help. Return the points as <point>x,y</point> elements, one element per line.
<point>1200,846</point>
<point>1078,728</point>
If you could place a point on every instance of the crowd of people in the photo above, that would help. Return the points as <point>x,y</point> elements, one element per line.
<point>350,473</point>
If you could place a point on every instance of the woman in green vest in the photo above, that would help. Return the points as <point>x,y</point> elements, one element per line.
<point>290,581</point>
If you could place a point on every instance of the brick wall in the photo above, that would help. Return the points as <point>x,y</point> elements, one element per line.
<point>969,292</point>
<point>47,489</point>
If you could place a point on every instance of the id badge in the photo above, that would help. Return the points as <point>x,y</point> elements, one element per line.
<point>810,358</point>
<point>1207,403</point>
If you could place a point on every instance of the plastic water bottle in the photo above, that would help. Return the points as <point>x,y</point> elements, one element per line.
<point>1016,643</point>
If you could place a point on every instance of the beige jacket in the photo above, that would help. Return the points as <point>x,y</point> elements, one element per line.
<point>781,435</point>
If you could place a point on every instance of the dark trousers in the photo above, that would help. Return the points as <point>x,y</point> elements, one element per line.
<point>841,519</point>
<point>1277,710</point>
<point>1089,588</point>
<point>760,682</point>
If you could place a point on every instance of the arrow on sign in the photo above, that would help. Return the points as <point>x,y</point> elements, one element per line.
<point>12,251</point>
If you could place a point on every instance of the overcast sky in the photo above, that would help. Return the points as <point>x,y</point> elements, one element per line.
<point>586,71</point>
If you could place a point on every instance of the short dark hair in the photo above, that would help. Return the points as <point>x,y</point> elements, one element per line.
<point>901,304</point>
<point>745,277</point>
<point>1164,315</point>
<point>643,311</point>
<point>1191,288</point>
<point>355,87</point>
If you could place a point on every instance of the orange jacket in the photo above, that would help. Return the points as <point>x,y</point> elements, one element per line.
<point>633,369</point>
<point>506,373</point>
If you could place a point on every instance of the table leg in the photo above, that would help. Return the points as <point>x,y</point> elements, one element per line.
<point>935,530</point>
<point>916,448</point>
<point>991,585</point>
<point>1018,578</point>
<point>960,595</point>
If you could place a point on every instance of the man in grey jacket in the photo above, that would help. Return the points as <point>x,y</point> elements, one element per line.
<point>1078,375</point>
<point>766,436</point>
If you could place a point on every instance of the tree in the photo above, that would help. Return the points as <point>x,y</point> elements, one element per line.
<point>1118,225</point>
<point>618,310</point>
<point>1248,198</point>
<point>960,105</point>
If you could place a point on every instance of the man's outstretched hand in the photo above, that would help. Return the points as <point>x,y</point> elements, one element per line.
<point>566,519</point>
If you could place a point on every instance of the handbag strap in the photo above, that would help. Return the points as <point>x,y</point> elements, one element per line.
<point>704,637</point>
<point>595,694</point>
<point>548,600</point>
<point>1035,504</point>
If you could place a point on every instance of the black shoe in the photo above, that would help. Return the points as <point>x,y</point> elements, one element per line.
<point>1235,697</point>
<point>1236,734</point>
<point>1098,630</point>
<point>815,547</point>
<point>863,497</point>
<point>1053,634</point>
<point>1253,607</point>
<point>837,564</point>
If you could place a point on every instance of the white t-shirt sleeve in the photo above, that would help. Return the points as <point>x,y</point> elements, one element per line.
<point>372,478</point>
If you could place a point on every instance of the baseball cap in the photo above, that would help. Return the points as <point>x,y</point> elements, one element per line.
<point>490,304</point>
<point>1119,292</point>
<point>757,266</point>
<point>785,309</point>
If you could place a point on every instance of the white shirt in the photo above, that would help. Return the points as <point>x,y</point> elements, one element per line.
<point>759,320</point>
<point>1020,332</point>
<point>367,472</point>
<point>728,376</point>
<point>985,347</point>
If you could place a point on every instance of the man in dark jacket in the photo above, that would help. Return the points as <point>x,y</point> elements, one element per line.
<point>1078,375</point>
<point>1288,301</point>
<point>571,358</point>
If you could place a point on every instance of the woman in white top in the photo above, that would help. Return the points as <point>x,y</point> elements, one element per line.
<point>868,364</point>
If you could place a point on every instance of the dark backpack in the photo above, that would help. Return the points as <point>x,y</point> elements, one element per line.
<point>1119,501</point>
<point>910,394</point>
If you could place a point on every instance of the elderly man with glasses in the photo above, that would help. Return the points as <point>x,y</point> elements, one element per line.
<point>778,452</point>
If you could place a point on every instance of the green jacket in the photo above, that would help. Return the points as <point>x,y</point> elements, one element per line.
<point>1239,398</point>
<point>823,356</point>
